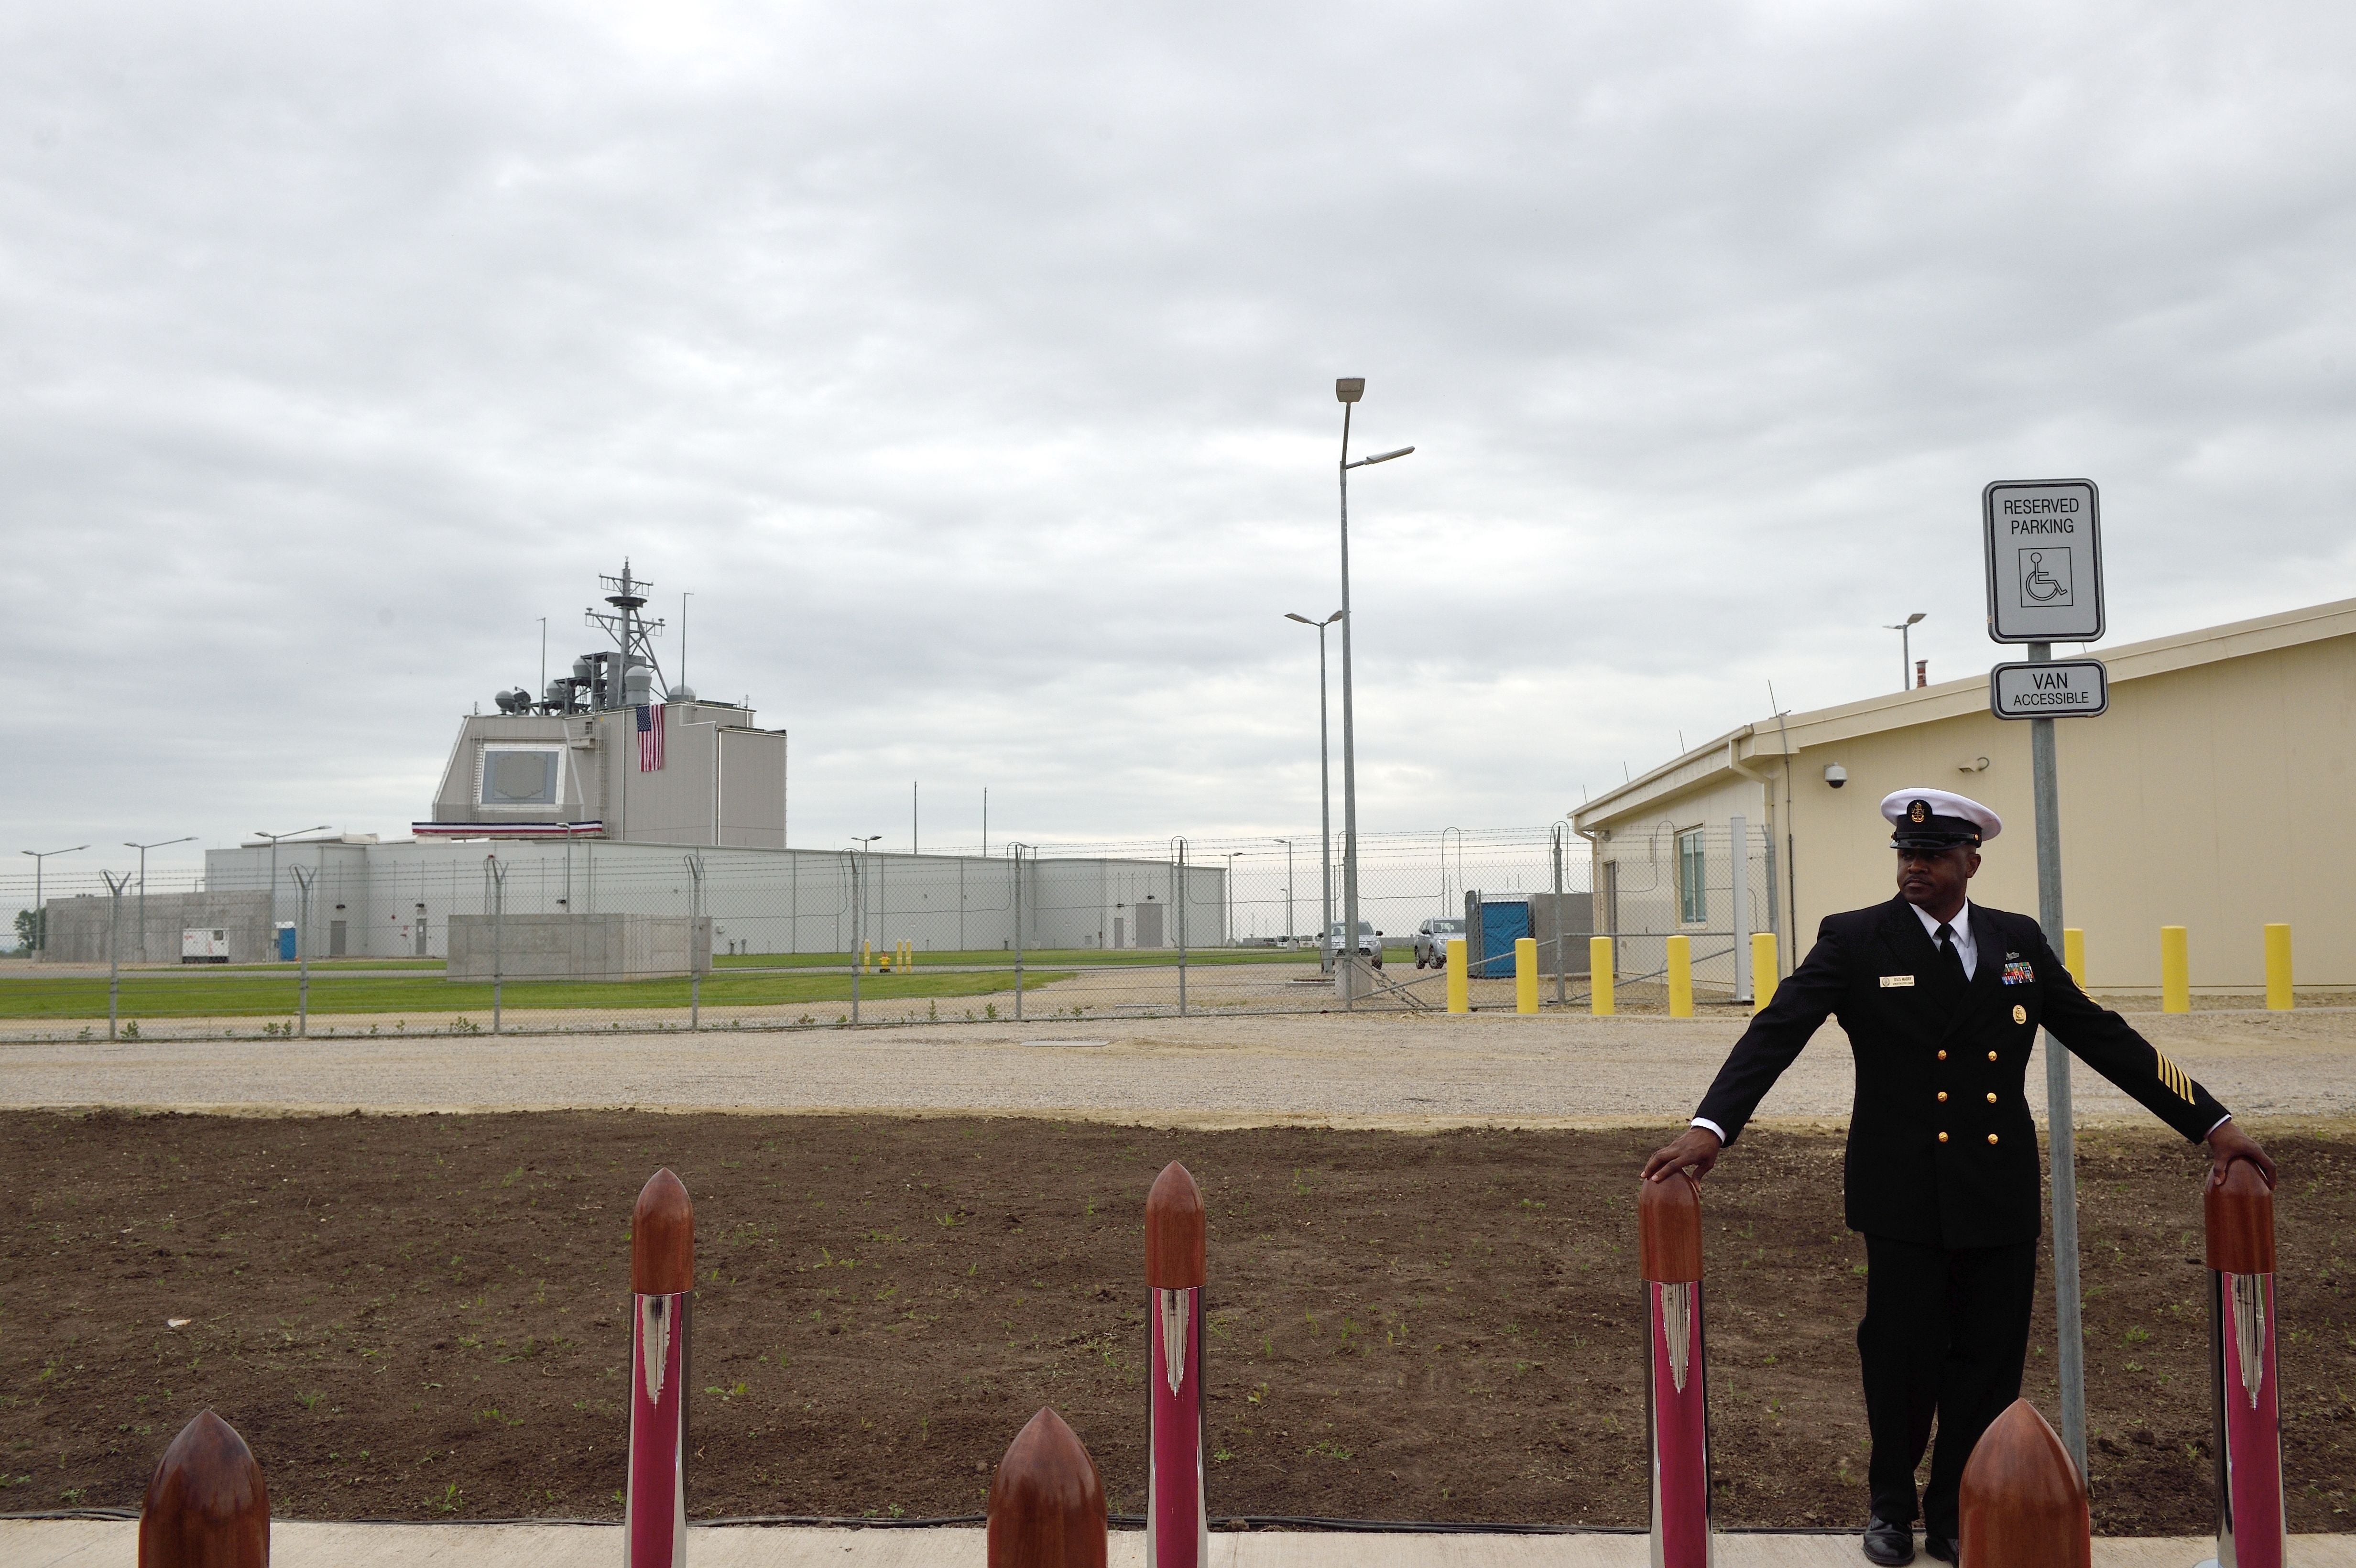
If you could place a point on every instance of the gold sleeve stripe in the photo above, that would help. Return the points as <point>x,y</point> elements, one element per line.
<point>2178,1083</point>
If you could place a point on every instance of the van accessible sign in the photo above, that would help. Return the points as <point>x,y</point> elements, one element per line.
<point>2061,688</point>
<point>2044,560</point>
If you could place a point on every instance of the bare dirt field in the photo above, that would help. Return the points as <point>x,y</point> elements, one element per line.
<point>423,1317</point>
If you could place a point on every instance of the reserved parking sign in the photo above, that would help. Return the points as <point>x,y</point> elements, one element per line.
<point>2044,540</point>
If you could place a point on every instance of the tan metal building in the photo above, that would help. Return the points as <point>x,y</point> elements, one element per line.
<point>2214,794</point>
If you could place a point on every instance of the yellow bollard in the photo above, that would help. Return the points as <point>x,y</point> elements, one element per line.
<point>1599,977</point>
<point>1526,973</point>
<point>1763,970</point>
<point>907,955</point>
<point>1680,976</point>
<point>2175,971</point>
<point>2279,968</point>
<point>1460,978</point>
<point>2073,954</point>
<point>866,958</point>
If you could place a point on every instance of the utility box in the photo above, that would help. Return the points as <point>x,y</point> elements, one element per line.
<point>1562,923</point>
<point>209,945</point>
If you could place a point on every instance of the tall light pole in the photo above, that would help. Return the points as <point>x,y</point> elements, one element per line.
<point>272,942</point>
<point>1349,389</point>
<point>1905,630</point>
<point>1324,789</point>
<point>1288,888</point>
<point>40,915</point>
<point>142,849</point>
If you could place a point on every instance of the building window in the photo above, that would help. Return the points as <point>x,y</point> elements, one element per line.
<point>1693,885</point>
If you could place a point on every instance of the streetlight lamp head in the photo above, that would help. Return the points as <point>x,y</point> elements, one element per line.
<point>1350,389</point>
<point>1914,617</point>
<point>1334,617</point>
<point>1402,451</point>
<point>1288,616</point>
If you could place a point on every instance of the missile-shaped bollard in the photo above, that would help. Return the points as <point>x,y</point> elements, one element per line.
<point>206,1505</point>
<point>1046,1504</point>
<point>1677,1404</point>
<point>663,1272</point>
<point>1177,1527</point>
<point>2023,1503</point>
<point>2240,1215</point>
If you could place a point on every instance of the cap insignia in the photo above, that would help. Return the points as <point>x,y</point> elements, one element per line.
<point>1918,811</point>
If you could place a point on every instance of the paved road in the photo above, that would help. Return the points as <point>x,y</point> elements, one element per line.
<point>1394,1071</point>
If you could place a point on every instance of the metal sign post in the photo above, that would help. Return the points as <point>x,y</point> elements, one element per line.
<point>2043,550</point>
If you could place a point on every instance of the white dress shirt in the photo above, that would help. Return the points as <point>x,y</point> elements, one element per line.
<point>1966,948</point>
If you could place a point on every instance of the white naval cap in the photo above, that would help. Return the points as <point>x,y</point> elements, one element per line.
<point>1935,817</point>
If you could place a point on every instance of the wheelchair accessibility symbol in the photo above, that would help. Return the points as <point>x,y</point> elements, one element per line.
<point>2045,577</point>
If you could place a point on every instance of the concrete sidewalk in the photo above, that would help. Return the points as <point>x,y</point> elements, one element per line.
<point>79,1543</point>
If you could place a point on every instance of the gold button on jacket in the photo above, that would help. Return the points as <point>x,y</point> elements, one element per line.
<point>1943,1096</point>
<point>1991,1137</point>
<point>1943,1138</point>
<point>1991,1056</point>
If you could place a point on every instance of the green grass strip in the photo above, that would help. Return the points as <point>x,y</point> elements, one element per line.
<point>273,995</point>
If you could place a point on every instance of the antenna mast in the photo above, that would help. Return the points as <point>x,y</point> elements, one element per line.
<point>632,633</point>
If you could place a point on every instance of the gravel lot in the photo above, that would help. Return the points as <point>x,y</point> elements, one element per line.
<point>1409,1072</point>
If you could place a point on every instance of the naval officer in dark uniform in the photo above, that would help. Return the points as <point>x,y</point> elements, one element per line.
<point>1942,999</point>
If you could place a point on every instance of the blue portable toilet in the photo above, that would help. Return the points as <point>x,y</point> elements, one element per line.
<point>286,941</point>
<point>1493,926</point>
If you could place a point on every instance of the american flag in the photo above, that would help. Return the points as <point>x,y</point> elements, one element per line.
<point>650,737</point>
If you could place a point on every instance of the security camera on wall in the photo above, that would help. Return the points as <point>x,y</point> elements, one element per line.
<point>1836,775</point>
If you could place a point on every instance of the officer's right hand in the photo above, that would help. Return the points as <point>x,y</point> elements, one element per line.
<point>1697,1151</point>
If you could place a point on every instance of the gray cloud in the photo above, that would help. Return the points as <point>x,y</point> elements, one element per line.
<point>973,369</point>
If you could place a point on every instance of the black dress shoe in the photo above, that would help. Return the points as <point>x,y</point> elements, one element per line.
<point>1945,1548</point>
<point>1889,1544</point>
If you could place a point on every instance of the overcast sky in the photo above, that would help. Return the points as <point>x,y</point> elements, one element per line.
<point>972,366</point>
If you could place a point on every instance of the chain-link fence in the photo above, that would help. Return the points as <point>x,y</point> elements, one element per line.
<point>1717,884</point>
<point>348,938</point>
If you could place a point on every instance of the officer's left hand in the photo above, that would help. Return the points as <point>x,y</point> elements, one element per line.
<point>2230,1143</point>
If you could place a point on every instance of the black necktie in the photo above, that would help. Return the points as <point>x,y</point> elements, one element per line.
<point>1946,935</point>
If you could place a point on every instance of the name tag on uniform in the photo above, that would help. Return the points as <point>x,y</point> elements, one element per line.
<point>1891,981</point>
